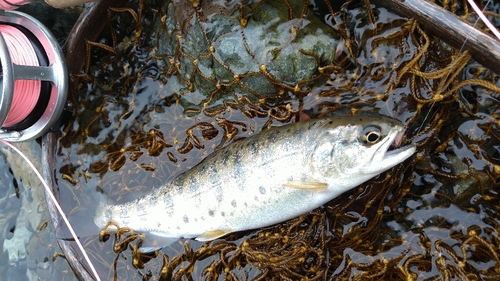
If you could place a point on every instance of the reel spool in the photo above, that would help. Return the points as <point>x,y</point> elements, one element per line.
<point>13,4</point>
<point>39,107</point>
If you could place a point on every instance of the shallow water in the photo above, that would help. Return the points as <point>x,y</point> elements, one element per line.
<point>29,250</point>
<point>434,217</point>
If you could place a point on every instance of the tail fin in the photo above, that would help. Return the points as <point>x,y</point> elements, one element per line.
<point>83,220</point>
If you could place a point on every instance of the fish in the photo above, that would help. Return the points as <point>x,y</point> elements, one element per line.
<point>270,177</point>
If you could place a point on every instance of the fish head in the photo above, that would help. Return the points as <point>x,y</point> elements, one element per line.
<point>358,148</point>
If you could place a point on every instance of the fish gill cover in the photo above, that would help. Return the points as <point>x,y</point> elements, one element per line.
<point>167,83</point>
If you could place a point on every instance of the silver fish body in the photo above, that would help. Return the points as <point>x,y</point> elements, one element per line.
<point>265,179</point>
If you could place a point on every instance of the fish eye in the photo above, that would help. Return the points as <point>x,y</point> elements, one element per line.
<point>371,135</point>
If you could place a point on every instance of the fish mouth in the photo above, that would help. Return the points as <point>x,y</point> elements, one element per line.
<point>394,147</point>
<point>389,154</point>
<point>395,154</point>
<point>399,153</point>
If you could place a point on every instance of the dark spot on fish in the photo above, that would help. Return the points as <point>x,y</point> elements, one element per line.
<point>185,219</point>
<point>178,227</point>
<point>312,125</point>
<point>288,130</point>
<point>193,185</point>
<point>214,175</point>
<point>143,212</point>
<point>246,205</point>
<point>219,194</point>
<point>237,157</point>
<point>158,224</point>
<point>262,190</point>
<point>211,213</point>
<point>225,157</point>
<point>239,173</point>
<point>298,134</point>
<point>256,198</point>
<point>274,135</point>
<point>178,183</point>
<point>124,217</point>
<point>236,147</point>
<point>203,168</point>
<point>253,147</point>
<point>223,214</point>
<point>203,218</point>
<point>233,203</point>
<point>168,201</point>
<point>331,122</point>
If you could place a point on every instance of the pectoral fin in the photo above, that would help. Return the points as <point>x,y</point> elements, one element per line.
<point>311,185</point>
<point>212,234</point>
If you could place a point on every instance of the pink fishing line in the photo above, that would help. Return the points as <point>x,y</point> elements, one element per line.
<point>26,92</point>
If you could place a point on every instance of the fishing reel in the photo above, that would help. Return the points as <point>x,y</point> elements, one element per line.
<point>34,79</point>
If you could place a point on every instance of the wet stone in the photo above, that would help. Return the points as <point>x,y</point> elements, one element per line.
<point>215,49</point>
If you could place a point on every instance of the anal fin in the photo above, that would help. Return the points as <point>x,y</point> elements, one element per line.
<point>155,241</point>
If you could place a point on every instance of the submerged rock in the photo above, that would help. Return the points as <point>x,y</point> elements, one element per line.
<point>241,54</point>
